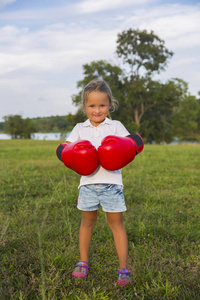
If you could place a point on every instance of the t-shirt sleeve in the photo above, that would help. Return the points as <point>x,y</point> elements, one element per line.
<point>74,135</point>
<point>121,130</point>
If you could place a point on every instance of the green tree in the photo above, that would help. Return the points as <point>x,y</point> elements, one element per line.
<point>185,119</point>
<point>143,52</point>
<point>198,114</point>
<point>72,120</point>
<point>163,122</point>
<point>51,124</point>
<point>28,128</point>
<point>18,127</point>
<point>2,126</point>
<point>14,126</point>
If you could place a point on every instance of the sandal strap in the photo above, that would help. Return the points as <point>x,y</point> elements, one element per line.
<point>82,264</point>
<point>124,271</point>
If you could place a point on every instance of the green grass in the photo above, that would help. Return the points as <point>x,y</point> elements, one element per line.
<point>40,223</point>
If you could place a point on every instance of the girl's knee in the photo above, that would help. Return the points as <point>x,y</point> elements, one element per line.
<point>89,218</point>
<point>115,221</point>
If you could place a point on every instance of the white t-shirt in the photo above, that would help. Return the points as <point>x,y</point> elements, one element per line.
<point>86,131</point>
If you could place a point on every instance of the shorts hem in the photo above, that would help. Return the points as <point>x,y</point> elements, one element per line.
<point>103,209</point>
<point>84,209</point>
<point>114,211</point>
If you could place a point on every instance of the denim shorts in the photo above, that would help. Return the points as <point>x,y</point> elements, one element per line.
<point>110,196</point>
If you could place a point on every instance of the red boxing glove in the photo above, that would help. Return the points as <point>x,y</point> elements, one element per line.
<point>116,152</point>
<point>80,156</point>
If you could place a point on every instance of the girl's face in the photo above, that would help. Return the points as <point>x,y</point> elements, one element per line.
<point>97,107</point>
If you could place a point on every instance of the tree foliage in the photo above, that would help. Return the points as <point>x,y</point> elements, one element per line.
<point>185,120</point>
<point>143,52</point>
<point>2,126</point>
<point>18,127</point>
<point>72,120</point>
<point>51,124</point>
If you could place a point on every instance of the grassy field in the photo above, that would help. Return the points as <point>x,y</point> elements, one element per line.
<point>40,223</point>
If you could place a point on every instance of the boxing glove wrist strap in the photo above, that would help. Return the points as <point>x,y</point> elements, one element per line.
<point>139,144</point>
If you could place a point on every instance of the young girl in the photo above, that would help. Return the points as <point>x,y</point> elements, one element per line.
<point>103,187</point>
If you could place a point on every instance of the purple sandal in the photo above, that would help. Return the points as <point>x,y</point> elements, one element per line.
<point>81,270</point>
<point>124,277</point>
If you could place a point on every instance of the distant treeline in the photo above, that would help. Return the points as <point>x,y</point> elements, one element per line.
<point>51,124</point>
<point>18,127</point>
<point>2,126</point>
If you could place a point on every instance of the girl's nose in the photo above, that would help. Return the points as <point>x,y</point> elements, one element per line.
<point>97,109</point>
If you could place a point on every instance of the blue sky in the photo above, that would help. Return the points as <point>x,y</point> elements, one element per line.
<point>43,45</point>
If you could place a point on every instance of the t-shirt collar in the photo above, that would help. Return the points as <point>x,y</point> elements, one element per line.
<point>88,123</point>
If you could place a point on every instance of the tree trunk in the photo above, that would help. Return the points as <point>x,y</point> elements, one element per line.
<point>144,107</point>
<point>136,114</point>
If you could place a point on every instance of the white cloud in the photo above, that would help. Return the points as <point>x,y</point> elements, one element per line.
<point>9,34</point>
<point>173,23</point>
<point>54,48</point>
<point>6,2</point>
<point>90,6</point>
<point>53,14</point>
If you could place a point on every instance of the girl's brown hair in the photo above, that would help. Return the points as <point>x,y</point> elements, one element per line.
<point>98,86</point>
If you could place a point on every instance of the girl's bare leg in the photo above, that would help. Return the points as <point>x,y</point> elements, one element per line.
<point>115,222</point>
<point>85,234</point>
